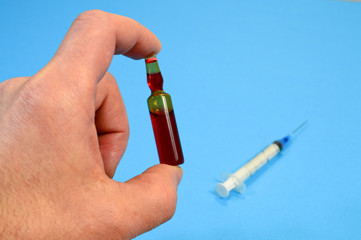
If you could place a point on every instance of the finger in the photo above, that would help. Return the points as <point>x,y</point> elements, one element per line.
<point>151,197</point>
<point>88,47</point>
<point>111,123</point>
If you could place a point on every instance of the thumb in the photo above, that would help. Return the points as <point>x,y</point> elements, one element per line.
<point>151,197</point>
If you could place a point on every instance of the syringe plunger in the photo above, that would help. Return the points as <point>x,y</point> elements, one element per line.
<point>236,180</point>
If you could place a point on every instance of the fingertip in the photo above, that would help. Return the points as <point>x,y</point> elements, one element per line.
<point>147,44</point>
<point>167,171</point>
<point>158,185</point>
<point>179,172</point>
<point>158,47</point>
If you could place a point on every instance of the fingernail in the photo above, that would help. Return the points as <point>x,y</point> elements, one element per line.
<point>179,173</point>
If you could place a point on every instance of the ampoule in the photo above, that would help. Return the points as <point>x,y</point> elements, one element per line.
<point>162,116</point>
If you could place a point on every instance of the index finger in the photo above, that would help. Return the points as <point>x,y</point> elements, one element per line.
<point>87,49</point>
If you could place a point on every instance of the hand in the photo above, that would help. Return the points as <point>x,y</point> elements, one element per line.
<point>63,132</point>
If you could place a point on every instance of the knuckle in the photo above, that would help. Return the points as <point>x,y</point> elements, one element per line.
<point>109,83</point>
<point>92,15</point>
<point>95,23</point>
<point>47,101</point>
<point>12,91</point>
<point>34,93</point>
<point>111,78</point>
<point>31,98</point>
<point>126,132</point>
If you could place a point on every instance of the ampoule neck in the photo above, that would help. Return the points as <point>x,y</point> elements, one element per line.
<point>154,76</point>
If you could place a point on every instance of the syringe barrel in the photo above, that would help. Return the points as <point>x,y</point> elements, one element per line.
<point>257,162</point>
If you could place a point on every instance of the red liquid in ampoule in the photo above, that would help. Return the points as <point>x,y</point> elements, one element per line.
<point>167,138</point>
<point>155,81</point>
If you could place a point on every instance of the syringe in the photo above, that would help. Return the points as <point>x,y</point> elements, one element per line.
<point>236,180</point>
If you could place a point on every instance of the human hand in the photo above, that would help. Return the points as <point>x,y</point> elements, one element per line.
<point>63,132</point>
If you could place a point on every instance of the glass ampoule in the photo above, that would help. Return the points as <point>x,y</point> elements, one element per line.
<point>162,116</point>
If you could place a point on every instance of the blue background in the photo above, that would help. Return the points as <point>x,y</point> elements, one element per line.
<point>241,74</point>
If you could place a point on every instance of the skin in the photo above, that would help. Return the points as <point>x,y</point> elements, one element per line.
<point>63,132</point>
